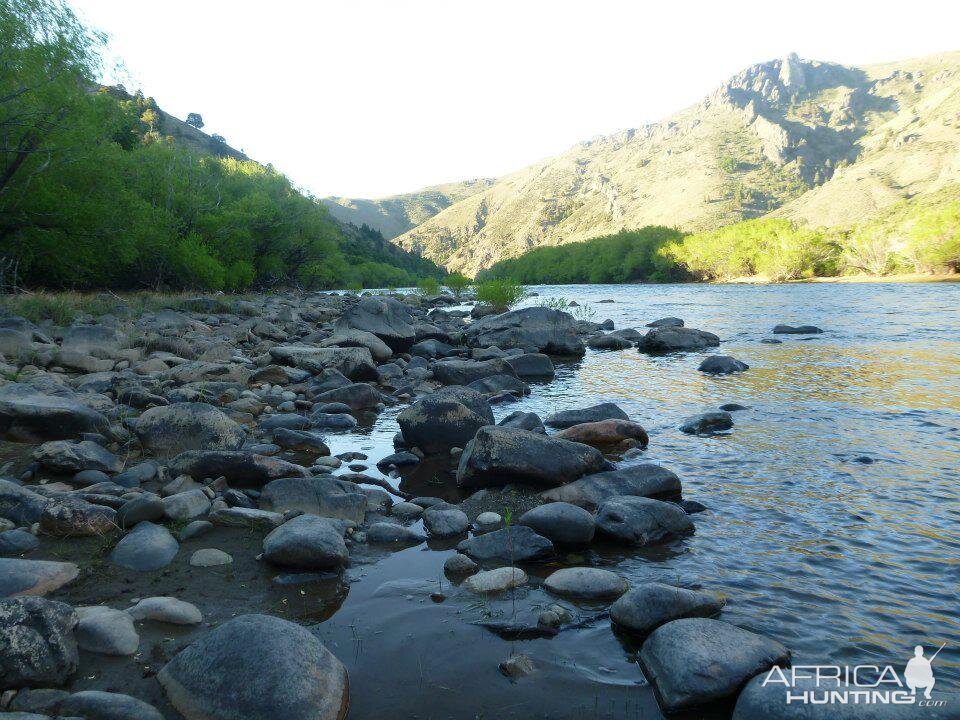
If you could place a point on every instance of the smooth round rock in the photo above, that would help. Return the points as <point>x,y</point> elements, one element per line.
<point>586,583</point>
<point>562,523</point>
<point>210,557</point>
<point>166,609</point>
<point>106,631</point>
<point>495,581</point>
<point>146,548</point>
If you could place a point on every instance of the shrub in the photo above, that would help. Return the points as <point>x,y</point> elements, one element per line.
<point>457,284</point>
<point>502,294</point>
<point>428,286</point>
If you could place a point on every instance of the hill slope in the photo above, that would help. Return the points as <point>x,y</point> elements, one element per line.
<point>815,141</point>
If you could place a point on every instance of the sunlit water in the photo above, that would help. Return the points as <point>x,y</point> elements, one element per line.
<point>843,561</point>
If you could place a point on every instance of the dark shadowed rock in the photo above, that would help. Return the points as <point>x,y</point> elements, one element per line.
<point>666,322</point>
<point>433,349</point>
<point>533,329</point>
<point>34,577</point>
<point>532,365</point>
<point>605,433</point>
<point>386,318</point>
<point>676,339</point>
<point>175,428</point>
<point>645,480</point>
<point>447,418</point>
<point>520,420</point>
<point>640,521</point>
<point>17,542</point>
<point>796,330</point>
<point>594,413</point>
<point>386,533</point>
<point>73,517</point>
<point>242,469</point>
<point>257,667</point>
<point>303,442</point>
<point>517,543</point>
<point>358,396</point>
<point>37,646</point>
<point>445,521</point>
<point>608,342</point>
<point>464,372</point>
<point>722,365</point>
<point>498,455</point>
<point>707,422</point>
<point>495,384</point>
<point>308,542</point>
<point>27,415</point>
<point>99,705</point>
<point>651,605</point>
<point>561,523</point>
<point>380,351</point>
<point>20,504</point>
<point>146,548</point>
<point>67,456</point>
<point>324,496</point>
<point>696,661</point>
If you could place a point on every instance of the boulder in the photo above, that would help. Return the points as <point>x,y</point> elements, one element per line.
<point>146,548</point>
<point>516,543</point>
<point>186,505</point>
<point>605,433</point>
<point>666,322</point>
<point>324,496</point>
<point>34,577</point>
<point>27,415</point>
<point>387,533</point>
<point>173,429</point>
<point>17,542</point>
<point>444,521</point>
<point>796,330</point>
<point>640,521</point>
<point>722,365</point>
<point>696,661</point>
<point>459,565</point>
<point>243,517</point>
<point>520,420</point>
<point>106,631</point>
<point>73,517</point>
<point>19,504</point>
<point>355,363</point>
<point>67,456</point>
<point>586,583</point>
<point>210,557</point>
<point>533,329</point>
<point>380,351</point>
<point>445,419</point>
<point>240,468</point>
<point>358,396</point>
<point>661,340</point>
<point>37,645</point>
<point>166,609</point>
<point>531,365</point>
<point>498,456</point>
<point>308,542</point>
<point>100,705</point>
<point>594,413</point>
<point>708,422</point>
<point>464,372</point>
<point>303,442</point>
<point>333,421</point>
<point>432,349</point>
<point>257,667</point>
<point>650,605</point>
<point>608,342</point>
<point>143,507</point>
<point>495,581</point>
<point>386,318</point>
<point>495,384</point>
<point>561,523</point>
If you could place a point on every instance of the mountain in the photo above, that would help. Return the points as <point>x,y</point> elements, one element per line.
<point>818,142</point>
<point>396,214</point>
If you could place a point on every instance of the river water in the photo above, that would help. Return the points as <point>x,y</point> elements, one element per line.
<point>833,520</point>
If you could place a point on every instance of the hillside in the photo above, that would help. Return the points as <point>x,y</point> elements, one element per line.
<point>396,214</point>
<point>817,142</point>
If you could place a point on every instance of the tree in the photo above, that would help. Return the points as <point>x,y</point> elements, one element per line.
<point>150,118</point>
<point>194,120</point>
<point>219,138</point>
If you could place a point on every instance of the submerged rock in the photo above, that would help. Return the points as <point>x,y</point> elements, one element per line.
<point>722,365</point>
<point>708,422</point>
<point>606,433</point>
<point>640,521</point>
<point>650,605</point>
<point>798,330</point>
<point>643,480</point>
<point>517,543</point>
<point>595,413</point>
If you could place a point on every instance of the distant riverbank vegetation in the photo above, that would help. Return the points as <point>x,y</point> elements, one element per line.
<point>94,195</point>
<point>911,237</point>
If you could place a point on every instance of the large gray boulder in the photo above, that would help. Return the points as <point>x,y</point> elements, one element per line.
<point>73,517</point>
<point>650,605</point>
<point>106,631</point>
<point>176,428</point>
<point>355,362</point>
<point>20,504</point>
<point>640,521</point>
<point>516,543</point>
<point>520,420</point>
<point>358,396</point>
<point>643,480</point>
<point>594,413</point>
<point>661,340</point>
<point>257,667</point>
<point>34,577</point>
<point>532,329</point>
<point>324,496</point>
<point>445,419</point>
<point>27,415</point>
<point>443,521</point>
<point>37,645</point>
<point>388,319</point>
<point>695,661</point>
<point>308,542</point>
<point>586,583</point>
<point>67,456</point>
<point>464,372</point>
<point>380,351</point>
<point>240,468</point>
<point>531,365</point>
<point>146,548</point>
<point>722,365</point>
<point>561,523</point>
<point>499,455</point>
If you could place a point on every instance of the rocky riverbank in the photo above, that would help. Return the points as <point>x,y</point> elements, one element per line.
<point>176,530</point>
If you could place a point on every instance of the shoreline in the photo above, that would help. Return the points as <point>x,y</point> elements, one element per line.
<point>901,278</point>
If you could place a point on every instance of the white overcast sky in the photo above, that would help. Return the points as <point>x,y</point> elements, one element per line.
<point>365,98</point>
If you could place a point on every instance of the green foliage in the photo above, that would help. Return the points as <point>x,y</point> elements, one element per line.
<point>501,293</point>
<point>428,286</point>
<point>457,283</point>
<point>728,164</point>
<point>935,239</point>
<point>629,255</point>
<point>554,303</point>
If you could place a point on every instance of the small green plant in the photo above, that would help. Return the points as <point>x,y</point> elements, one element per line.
<point>554,303</point>
<point>502,294</point>
<point>457,283</point>
<point>428,286</point>
<point>584,312</point>
<point>355,286</point>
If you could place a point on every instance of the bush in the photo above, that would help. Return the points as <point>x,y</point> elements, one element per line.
<point>457,284</point>
<point>502,294</point>
<point>428,286</point>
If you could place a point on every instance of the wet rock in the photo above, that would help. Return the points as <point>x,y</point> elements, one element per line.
<point>433,349</point>
<point>398,459</point>
<point>308,542</point>
<point>355,363</point>
<point>72,517</point>
<point>640,521</point>
<point>210,557</point>
<point>464,372</point>
<point>586,583</point>
<point>304,442</point>
<point>517,666</point>
<point>333,421</point>
<point>106,631</point>
<point>323,496</point>
<point>65,456</point>
<point>796,330</point>
<point>605,433</point>
<point>495,581</point>
<point>708,422</point>
<point>733,407</point>
<point>562,523</point>
<point>386,533</point>
<point>495,384</point>
<point>166,609</point>
<point>17,542</point>
<point>722,365</point>
<point>666,322</point>
<point>358,396</point>
<point>596,413</point>
<point>27,415</point>
<point>444,521</point>
<point>146,548</point>
<point>406,510</point>
<point>386,318</point>
<point>19,504</point>
<point>517,543</point>
<point>676,339</point>
<point>498,456</point>
<point>379,350</point>
<point>531,365</point>
<point>459,565</point>
<point>520,420</point>
<point>186,505</point>
<point>533,329</point>
<point>695,661</point>
<point>241,469</point>
<point>33,577</point>
<point>37,645</point>
<point>447,418</point>
<point>99,705</point>
<point>487,521</point>
<point>173,429</point>
<point>608,342</point>
<point>650,605</point>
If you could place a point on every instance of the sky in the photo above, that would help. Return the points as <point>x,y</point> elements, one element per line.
<point>367,98</point>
